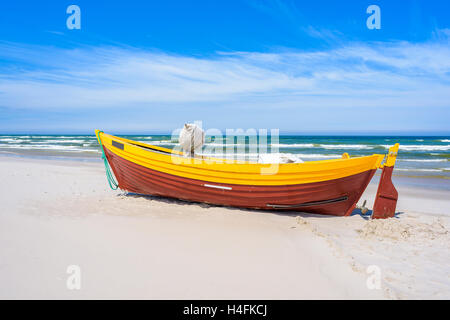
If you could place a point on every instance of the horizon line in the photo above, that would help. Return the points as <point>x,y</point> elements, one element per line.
<point>284,133</point>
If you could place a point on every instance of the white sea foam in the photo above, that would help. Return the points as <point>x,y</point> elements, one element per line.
<point>162,142</point>
<point>445,140</point>
<point>346,146</point>
<point>14,140</point>
<point>421,147</point>
<point>250,156</point>
<point>320,156</point>
<point>419,170</point>
<point>45,137</point>
<point>213,144</point>
<point>423,160</point>
<point>293,145</point>
<point>256,155</point>
<point>230,144</point>
<point>70,137</point>
<point>46,147</point>
<point>61,141</point>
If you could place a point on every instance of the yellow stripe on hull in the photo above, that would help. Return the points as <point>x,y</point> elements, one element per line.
<point>238,172</point>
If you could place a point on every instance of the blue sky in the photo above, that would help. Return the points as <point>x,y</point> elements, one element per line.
<point>300,66</point>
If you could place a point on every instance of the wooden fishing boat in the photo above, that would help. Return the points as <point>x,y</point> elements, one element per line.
<point>331,187</point>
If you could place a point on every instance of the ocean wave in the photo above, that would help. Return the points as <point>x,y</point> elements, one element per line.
<point>69,137</point>
<point>230,145</point>
<point>423,160</point>
<point>61,137</point>
<point>419,170</point>
<point>47,147</point>
<point>140,138</point>
<point>161,142</point>
<point>445,140</point>
<point>256,155</point>
<point>319,156</point>
<point>35,140</point>
<point>10,140</point>
<point>346,146</point>
<point>213,144</point>
<point>412,147</point>
<point>293,145</point>
<point>61,141</point>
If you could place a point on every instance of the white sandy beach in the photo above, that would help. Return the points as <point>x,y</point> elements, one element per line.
<point>59,213</point>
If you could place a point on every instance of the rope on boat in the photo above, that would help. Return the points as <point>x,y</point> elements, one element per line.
<point>109,175</point>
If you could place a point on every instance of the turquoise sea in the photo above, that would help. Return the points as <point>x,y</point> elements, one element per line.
<point>418,157</point>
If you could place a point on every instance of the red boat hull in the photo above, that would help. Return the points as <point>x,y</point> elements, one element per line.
<point>332,197</point>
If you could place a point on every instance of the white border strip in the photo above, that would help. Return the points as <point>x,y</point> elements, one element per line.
<point>217,187</point>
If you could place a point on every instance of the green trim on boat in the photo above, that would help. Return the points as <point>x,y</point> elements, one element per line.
<point>109,175</point>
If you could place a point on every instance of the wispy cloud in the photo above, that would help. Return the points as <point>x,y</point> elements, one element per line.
<point>58,33</point>
<point>399,74</point>
<point>285,11</point>
<point>323,34</point>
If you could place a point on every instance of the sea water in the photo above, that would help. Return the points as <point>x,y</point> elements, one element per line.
<point>419,157</point>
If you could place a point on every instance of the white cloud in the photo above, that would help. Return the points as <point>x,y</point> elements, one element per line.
<point>397,74</point>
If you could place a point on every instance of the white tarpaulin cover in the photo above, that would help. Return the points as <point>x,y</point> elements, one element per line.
<point>279,158</point>
<point>191,138</point>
